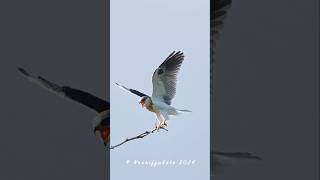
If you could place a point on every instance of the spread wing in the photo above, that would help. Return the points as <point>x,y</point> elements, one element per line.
<point>138,93</point>
<point>89,100</point>
<point>219,9</point>
<point>165,77</point>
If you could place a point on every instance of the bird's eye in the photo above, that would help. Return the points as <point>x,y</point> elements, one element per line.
<point>160,71</point>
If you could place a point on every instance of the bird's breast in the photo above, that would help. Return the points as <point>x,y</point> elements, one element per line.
<point>152,108</point>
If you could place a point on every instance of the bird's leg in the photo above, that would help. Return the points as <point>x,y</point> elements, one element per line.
<point>163,124</point>
<point>157,124</point>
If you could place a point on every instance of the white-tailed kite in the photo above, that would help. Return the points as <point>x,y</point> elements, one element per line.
<point>164,89</point>
<point>101,122</point>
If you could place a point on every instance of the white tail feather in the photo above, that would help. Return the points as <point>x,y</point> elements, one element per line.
<point>183,110</point>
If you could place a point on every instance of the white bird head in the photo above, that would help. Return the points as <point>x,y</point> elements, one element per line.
<point>143,100</point>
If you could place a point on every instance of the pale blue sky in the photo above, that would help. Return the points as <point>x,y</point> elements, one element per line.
<point>143,34</point>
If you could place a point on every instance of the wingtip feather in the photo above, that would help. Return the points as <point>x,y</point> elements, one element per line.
<point>23,71</point>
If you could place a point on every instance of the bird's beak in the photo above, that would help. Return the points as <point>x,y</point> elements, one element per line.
<point>142,104</point>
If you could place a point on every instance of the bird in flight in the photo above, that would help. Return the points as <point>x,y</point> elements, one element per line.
<point>101,122</point>
<point>164,81</point>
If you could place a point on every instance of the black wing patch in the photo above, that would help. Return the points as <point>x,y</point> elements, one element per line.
<point>86,99</point>
<point>138,93</point>
<point>82,97</point>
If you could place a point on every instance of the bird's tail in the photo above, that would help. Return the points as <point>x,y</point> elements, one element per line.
<point>183,111</point>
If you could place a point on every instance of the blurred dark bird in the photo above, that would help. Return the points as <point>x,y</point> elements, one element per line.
<point>219,9</point>
<point>101,122</point>
<point>220,160</point>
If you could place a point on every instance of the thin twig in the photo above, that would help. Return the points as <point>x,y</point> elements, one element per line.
<point>140,136</point>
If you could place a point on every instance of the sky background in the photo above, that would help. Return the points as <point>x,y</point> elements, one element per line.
<point>143,34</point>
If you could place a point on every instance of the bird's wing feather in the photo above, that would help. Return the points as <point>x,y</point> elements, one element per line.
<point>138,93</point>
<point>89,100</point>
<point>165,77</point>
<point>219,9</point>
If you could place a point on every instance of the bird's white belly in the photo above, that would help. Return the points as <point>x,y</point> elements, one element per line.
<point>164,108</point>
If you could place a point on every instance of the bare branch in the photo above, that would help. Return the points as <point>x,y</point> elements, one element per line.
<point>140,136</point>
